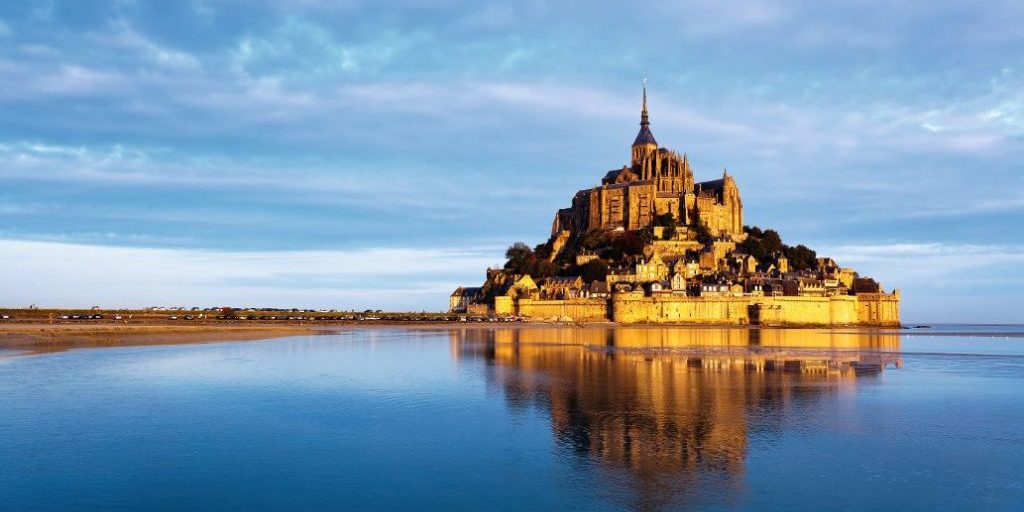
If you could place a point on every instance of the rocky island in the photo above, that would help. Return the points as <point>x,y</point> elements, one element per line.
<point>652,245</point>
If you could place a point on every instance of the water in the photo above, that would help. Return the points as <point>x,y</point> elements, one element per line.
<point>523,419</point>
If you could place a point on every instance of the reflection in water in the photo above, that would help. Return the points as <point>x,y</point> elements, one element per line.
<point>663,412</point>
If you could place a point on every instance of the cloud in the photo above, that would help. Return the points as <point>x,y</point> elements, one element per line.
<point>74,80</point>
<point>943,282</point>
<point>929,264</point>
<point>300,49</point>
<point>75,275</point>
<point>126,37</point>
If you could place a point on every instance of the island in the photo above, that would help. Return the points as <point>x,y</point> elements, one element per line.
<point>652,245</point>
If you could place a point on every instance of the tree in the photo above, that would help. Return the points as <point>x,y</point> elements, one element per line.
<point>800,257</point>
<point>542,251</point>
<point>594,239</point>
<point>668,222</point>
<point>542,268</point>
<point>627,244</point>
<point>754,247</point>
<point>520,258</point>
<point>763,245</point>
<point>771,241</point>
<point>594,270</point>
<point>646,234</point>
<point>703,235</point>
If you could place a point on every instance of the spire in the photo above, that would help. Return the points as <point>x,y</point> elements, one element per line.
<point>643,113</point>
<point>645,136</point>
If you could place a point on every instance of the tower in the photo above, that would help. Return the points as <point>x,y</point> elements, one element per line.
<point>644,144</point>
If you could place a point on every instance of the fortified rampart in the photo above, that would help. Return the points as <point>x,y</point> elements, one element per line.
<point>634,307</point>
<point>868,309</point>
<point>576,309</point>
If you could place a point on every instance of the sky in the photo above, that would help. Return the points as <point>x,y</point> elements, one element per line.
<point>355,154</point>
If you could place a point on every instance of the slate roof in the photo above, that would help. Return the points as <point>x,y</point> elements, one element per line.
<point>645,137</point>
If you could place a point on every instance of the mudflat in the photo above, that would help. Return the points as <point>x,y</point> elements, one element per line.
<point>43,337</point>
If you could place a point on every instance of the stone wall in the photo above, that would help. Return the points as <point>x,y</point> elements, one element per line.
<point>478,310</point>
<point>875,309</point>
<point>575,309</point>
<point>503,306</point>
<point>881,309</point>
<point>835,310</point>
<point>636,308</point>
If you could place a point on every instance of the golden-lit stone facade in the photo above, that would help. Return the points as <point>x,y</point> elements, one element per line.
<point>657,181</point>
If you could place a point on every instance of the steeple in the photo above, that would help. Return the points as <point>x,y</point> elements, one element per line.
<point>643,111</point>
<point>645,136</point>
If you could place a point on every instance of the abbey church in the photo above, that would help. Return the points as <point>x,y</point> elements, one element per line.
<point>657,181</point>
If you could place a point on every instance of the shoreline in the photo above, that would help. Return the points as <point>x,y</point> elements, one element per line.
<point>21,338</point>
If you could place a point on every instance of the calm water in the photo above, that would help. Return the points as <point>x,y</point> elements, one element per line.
<point>527,419</point>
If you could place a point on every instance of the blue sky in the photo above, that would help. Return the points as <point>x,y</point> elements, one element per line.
<point>375,154</point>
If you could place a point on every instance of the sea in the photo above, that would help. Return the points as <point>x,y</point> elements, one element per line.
<point>493,417</point>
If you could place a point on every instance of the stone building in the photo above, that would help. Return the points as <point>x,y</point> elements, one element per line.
<point>656,181</point>
<point>462,297</point>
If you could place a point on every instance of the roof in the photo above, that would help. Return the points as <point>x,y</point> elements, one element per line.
<point>645,137</point>
<point>562,279</point>
<point>612,175</point>
<point>715,185</point>
<point>466,291</point>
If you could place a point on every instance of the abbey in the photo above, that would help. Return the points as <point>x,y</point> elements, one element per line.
<point>651,244</point>
<point>657,181</point>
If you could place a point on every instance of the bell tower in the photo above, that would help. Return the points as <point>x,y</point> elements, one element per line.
<point>644,145</point>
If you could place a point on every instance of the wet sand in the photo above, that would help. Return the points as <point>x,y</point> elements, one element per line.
<point>41,338</point>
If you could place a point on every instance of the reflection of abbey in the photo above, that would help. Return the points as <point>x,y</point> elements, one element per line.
<point>676,408</point>
<point>651,244</point>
